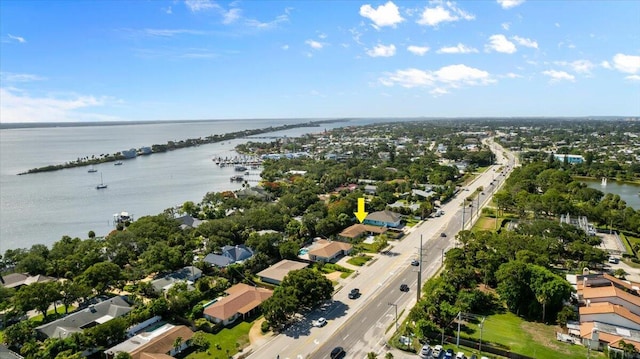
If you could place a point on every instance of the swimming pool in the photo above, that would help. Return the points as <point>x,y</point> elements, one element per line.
<point>303,251</point>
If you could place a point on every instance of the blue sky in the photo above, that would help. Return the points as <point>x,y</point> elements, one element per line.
<point>172,60</point>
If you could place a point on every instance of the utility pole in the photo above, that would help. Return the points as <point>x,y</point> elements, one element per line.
<point>419,271</point>
<point>396,306</point>
<point>458,338</point>
<point>481,328</point>
<point>464,204</point>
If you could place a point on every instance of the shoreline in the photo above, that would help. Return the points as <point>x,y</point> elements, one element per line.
<point>594,179</point>
<point>171,146</point>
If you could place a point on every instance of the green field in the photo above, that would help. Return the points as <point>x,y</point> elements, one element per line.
<point>359,260</point>
<point>229,340</point>
<point>536,340</point>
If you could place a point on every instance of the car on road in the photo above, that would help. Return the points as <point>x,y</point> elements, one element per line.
<point>321,322</point>
<point>338,352</point>
<point>404,288</point>
<point>355,293</point>
<point>613,260</point>
<point>443,234</point>
<point>415,263</point>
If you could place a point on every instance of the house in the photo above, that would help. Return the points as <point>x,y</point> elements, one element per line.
<point>17,280</point>
<point>597,336</point>
<point>187,275</point>
<point>254,192</point>
<point>611,314</point>
<point>613,295</point>
<point>187,221</point>
<point>421,193</point>
<point>6,353</point>
<point>323,250</point>
<point>358,230</point>
<point>154,344</point>
<point>77,321</point>
<point>242,301</point>
<point>230,255</point>
<point>276,273</point>
<point>571,159</point>
<point>370,189</point>
<point>384,219</point>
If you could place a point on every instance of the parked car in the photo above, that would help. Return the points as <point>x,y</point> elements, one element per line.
<point>415,263</point>
<point>404,288</point>
<point>449,354</point>
<point>355,293</point>
<point>443,234</point>
<point>613,260</point>
<point>460,355</point>
<point>338,352</point>
<point>437,350</point>
<point>425,351</point>
<point>321,322</point>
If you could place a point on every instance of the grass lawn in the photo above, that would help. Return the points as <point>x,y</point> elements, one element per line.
<point>410,221</point>
<point>229,340</point>
<point>533,339</point>
<point>484,224</point>
<point>367,247</point>
<point>359,260</point>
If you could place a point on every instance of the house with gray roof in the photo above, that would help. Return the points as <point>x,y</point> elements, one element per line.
<point>17,280</point>
<point>384,219</point>
<point>230,255</point>
<point>188,274</point>
<point>89,317</point>
<point>188,221</point>
<point>276,273</point>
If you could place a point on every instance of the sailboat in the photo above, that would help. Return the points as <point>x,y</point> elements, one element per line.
<point>101,185</point>
<point>92,169</point>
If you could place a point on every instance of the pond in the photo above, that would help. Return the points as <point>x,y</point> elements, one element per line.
<point>627,191</point>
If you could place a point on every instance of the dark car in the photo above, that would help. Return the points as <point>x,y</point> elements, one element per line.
<point>404,288</point>
<point>337,352</point>
<point>355,293</point>
<point>415,263</point>
<point>449,354</point>
<point>443,234</point>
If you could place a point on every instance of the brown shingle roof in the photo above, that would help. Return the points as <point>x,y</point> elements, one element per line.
<point>242,298</point>
<point>357,229</point>
<point>163,344</point>
<point>610,291</point>
<point>279,270</point>
<point>604,308</point>
<point>326,249</point>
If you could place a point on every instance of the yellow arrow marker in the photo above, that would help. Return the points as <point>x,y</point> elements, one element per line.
<point>361,214</point>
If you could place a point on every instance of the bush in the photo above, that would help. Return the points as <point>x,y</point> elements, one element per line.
<point>264,327</point>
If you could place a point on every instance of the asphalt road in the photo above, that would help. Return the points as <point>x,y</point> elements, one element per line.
<point>361,325</point>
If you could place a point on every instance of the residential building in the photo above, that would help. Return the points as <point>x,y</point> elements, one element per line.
<point>230,255</point>
<point>187,221</point>
<point>572,159</point>
<point>241,302</point>
<point>611,314</point>
<point>276,273</point>
<point>384,219</point>
<point>89,317</point>
<point>323,250</point>
<point>17,280</point>
<point>359,230</point>
<point>158,343</point>
<point>186,275</point>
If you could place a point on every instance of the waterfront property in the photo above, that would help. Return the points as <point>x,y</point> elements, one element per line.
<point>241,302</point>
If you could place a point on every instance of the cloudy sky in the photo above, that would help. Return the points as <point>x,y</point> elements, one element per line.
<point>205,59</point>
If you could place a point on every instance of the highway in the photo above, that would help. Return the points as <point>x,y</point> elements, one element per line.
<point>362,325</point>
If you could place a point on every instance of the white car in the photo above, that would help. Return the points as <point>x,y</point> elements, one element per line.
<point>425,352</point>
<point>321,322</point>
<point>437,350</point>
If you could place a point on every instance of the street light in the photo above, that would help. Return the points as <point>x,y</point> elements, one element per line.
<point>396,306</point>
<point>481,328</point>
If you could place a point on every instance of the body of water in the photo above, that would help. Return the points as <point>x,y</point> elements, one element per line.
<point>40,208</point>
<point>627,191</point>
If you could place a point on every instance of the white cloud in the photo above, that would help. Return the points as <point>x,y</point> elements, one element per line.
<point>499,43</point>
<point>384,15</point>
<point>512,75</point>
<point>316,45</point>
<point>525,42</point>
<point>558,75</point>
<point>606,65</point>
<point>170,32</point>
<point>269,24</point>
<point>231,16</point>
<point>578,66</point>
<point>508,4</point>
<point>199,5</point>
<point>19,39</point>
<point>506,25</point>
<point>11,77</point>
<point>633,77</point>
<point>626,63</point>
<point>432,16</point>
<point>442,80</point>
<point>458,49</point>
<point>418,50</point>
<point>382,51</point>
<point>18,106</point>
<point>285,47</point>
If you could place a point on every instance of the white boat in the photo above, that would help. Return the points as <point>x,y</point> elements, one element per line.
<point>92,169</point>
<point>101,185</point>
<point>119,163</point>
<point>122,217</point>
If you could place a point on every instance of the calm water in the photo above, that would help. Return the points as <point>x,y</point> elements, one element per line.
<point>42,207</point>
<point>628,192</point>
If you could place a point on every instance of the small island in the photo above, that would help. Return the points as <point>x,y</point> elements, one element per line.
<point>170,146</point>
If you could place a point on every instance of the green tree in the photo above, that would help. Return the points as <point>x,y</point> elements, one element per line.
<point>280,306</point>
<point>19,333</point>
<point>38,296</point>
<point>101,276</point>
<point>310,286</point>
<point>199,341</point>
<point>72,291</point>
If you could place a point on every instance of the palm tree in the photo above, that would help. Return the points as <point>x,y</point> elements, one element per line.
<point>388,356</point>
